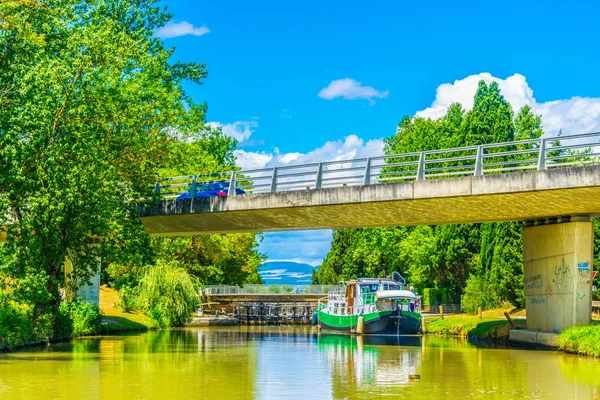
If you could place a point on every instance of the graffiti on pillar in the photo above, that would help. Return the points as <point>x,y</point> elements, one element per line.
<point>581,296</point>
<point>584,273</point>
<point>533,282</point>
<point>562,275</point>
<point>536,300</point>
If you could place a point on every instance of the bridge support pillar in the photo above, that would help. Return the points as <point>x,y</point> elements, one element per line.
<point>88,293</point>
<point>558,274</point>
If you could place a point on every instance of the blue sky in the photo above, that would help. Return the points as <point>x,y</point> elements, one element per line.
<point>298,81</point>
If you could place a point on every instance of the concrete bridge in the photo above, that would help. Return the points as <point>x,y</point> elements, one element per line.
<point>553,184</point>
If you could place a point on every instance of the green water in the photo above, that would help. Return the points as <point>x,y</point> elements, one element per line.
<point>288,363</point>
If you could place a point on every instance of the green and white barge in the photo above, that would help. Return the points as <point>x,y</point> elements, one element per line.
<point>371,306</point>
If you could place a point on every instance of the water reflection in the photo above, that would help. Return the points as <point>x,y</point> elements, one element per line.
<point>359,360</point>
<point>290,362</point>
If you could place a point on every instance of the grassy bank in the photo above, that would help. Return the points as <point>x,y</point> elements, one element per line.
<point>491,327</point>
<point>583,340</point>
<point>114,319</point>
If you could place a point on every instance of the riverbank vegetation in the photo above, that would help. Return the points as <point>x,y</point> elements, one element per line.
<point>92,111</point>
<point>482,263</point>
<point>583,340</point>
<point>491,327</point>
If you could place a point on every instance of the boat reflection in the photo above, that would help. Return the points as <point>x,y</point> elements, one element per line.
<point>359,362</point>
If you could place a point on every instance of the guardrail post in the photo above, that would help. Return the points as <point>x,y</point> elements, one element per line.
<point>542,155</point>
<point>421,168</point>
<point>274,181</point>
<point>193,187</point>
<point>479,161</point>
<point>231,191</point>
<point>319,180</point>
<point>368,172</point>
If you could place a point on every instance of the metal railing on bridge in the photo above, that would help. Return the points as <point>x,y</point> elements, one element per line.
<point>268,289</point>
<point>495,158</point>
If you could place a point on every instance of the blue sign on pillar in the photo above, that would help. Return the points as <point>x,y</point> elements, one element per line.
<point>585,265</point>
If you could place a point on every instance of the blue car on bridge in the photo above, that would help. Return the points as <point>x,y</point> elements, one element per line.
<point>211,189</point>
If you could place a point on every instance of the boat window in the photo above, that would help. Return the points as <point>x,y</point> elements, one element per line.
<point>369,288</point>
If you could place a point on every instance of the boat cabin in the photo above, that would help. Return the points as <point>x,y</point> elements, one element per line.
<point>365,296</point>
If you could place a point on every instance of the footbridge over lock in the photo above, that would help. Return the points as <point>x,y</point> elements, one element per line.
<point>552,184</point>
<point>266,304</point>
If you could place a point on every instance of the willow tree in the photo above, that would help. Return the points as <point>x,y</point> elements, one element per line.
<point>90,102</point>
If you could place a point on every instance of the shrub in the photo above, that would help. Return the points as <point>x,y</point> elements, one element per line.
<point>168,294</point>
<point>426,296</point>
<point>76,318</point>
<point>15,326</point>
<point>445,298</point>
<point>431,296</point>
<point>128,299</point>
<point>85,317</point>
<point>63,323</point>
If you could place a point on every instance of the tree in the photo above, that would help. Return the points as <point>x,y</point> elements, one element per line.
<point>332,268</point>
<point>527,125</point>
<point>491,118</point>
<point>454,253</point>
<point>89,104</point>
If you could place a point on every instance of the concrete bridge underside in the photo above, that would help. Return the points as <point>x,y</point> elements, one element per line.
<point>490,198</point>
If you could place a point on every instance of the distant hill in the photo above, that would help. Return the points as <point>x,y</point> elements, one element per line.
<point>286,273</point>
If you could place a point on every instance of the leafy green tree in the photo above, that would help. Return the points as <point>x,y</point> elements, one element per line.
<point>89,101</point>
<point>168,294</point>
<point>214,259</point>
<point>527,125</point>
<point>454,253</point>
<point>491,118</point>
<point>416,256</point>
<point>331,270</point>
<point>502,261</point>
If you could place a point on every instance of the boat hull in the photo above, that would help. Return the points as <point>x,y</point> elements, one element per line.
<point>383,322</point>
<point>404,322</point>
<point>376,322</point>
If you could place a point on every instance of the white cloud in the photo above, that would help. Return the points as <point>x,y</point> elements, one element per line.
<point>251,159</point>
<point>175,29</point>
<point>350,89</point>
<point>239,130</point>
<point>574,115</point>
<point>342,149</point>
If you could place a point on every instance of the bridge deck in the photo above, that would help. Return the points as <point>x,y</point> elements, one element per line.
<point>516,196</point>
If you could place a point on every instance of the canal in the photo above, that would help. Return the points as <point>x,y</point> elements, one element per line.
<point>288,363</point>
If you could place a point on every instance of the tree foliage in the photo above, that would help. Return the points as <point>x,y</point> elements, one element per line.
<point>92,111</point>
<point>168,294</point>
